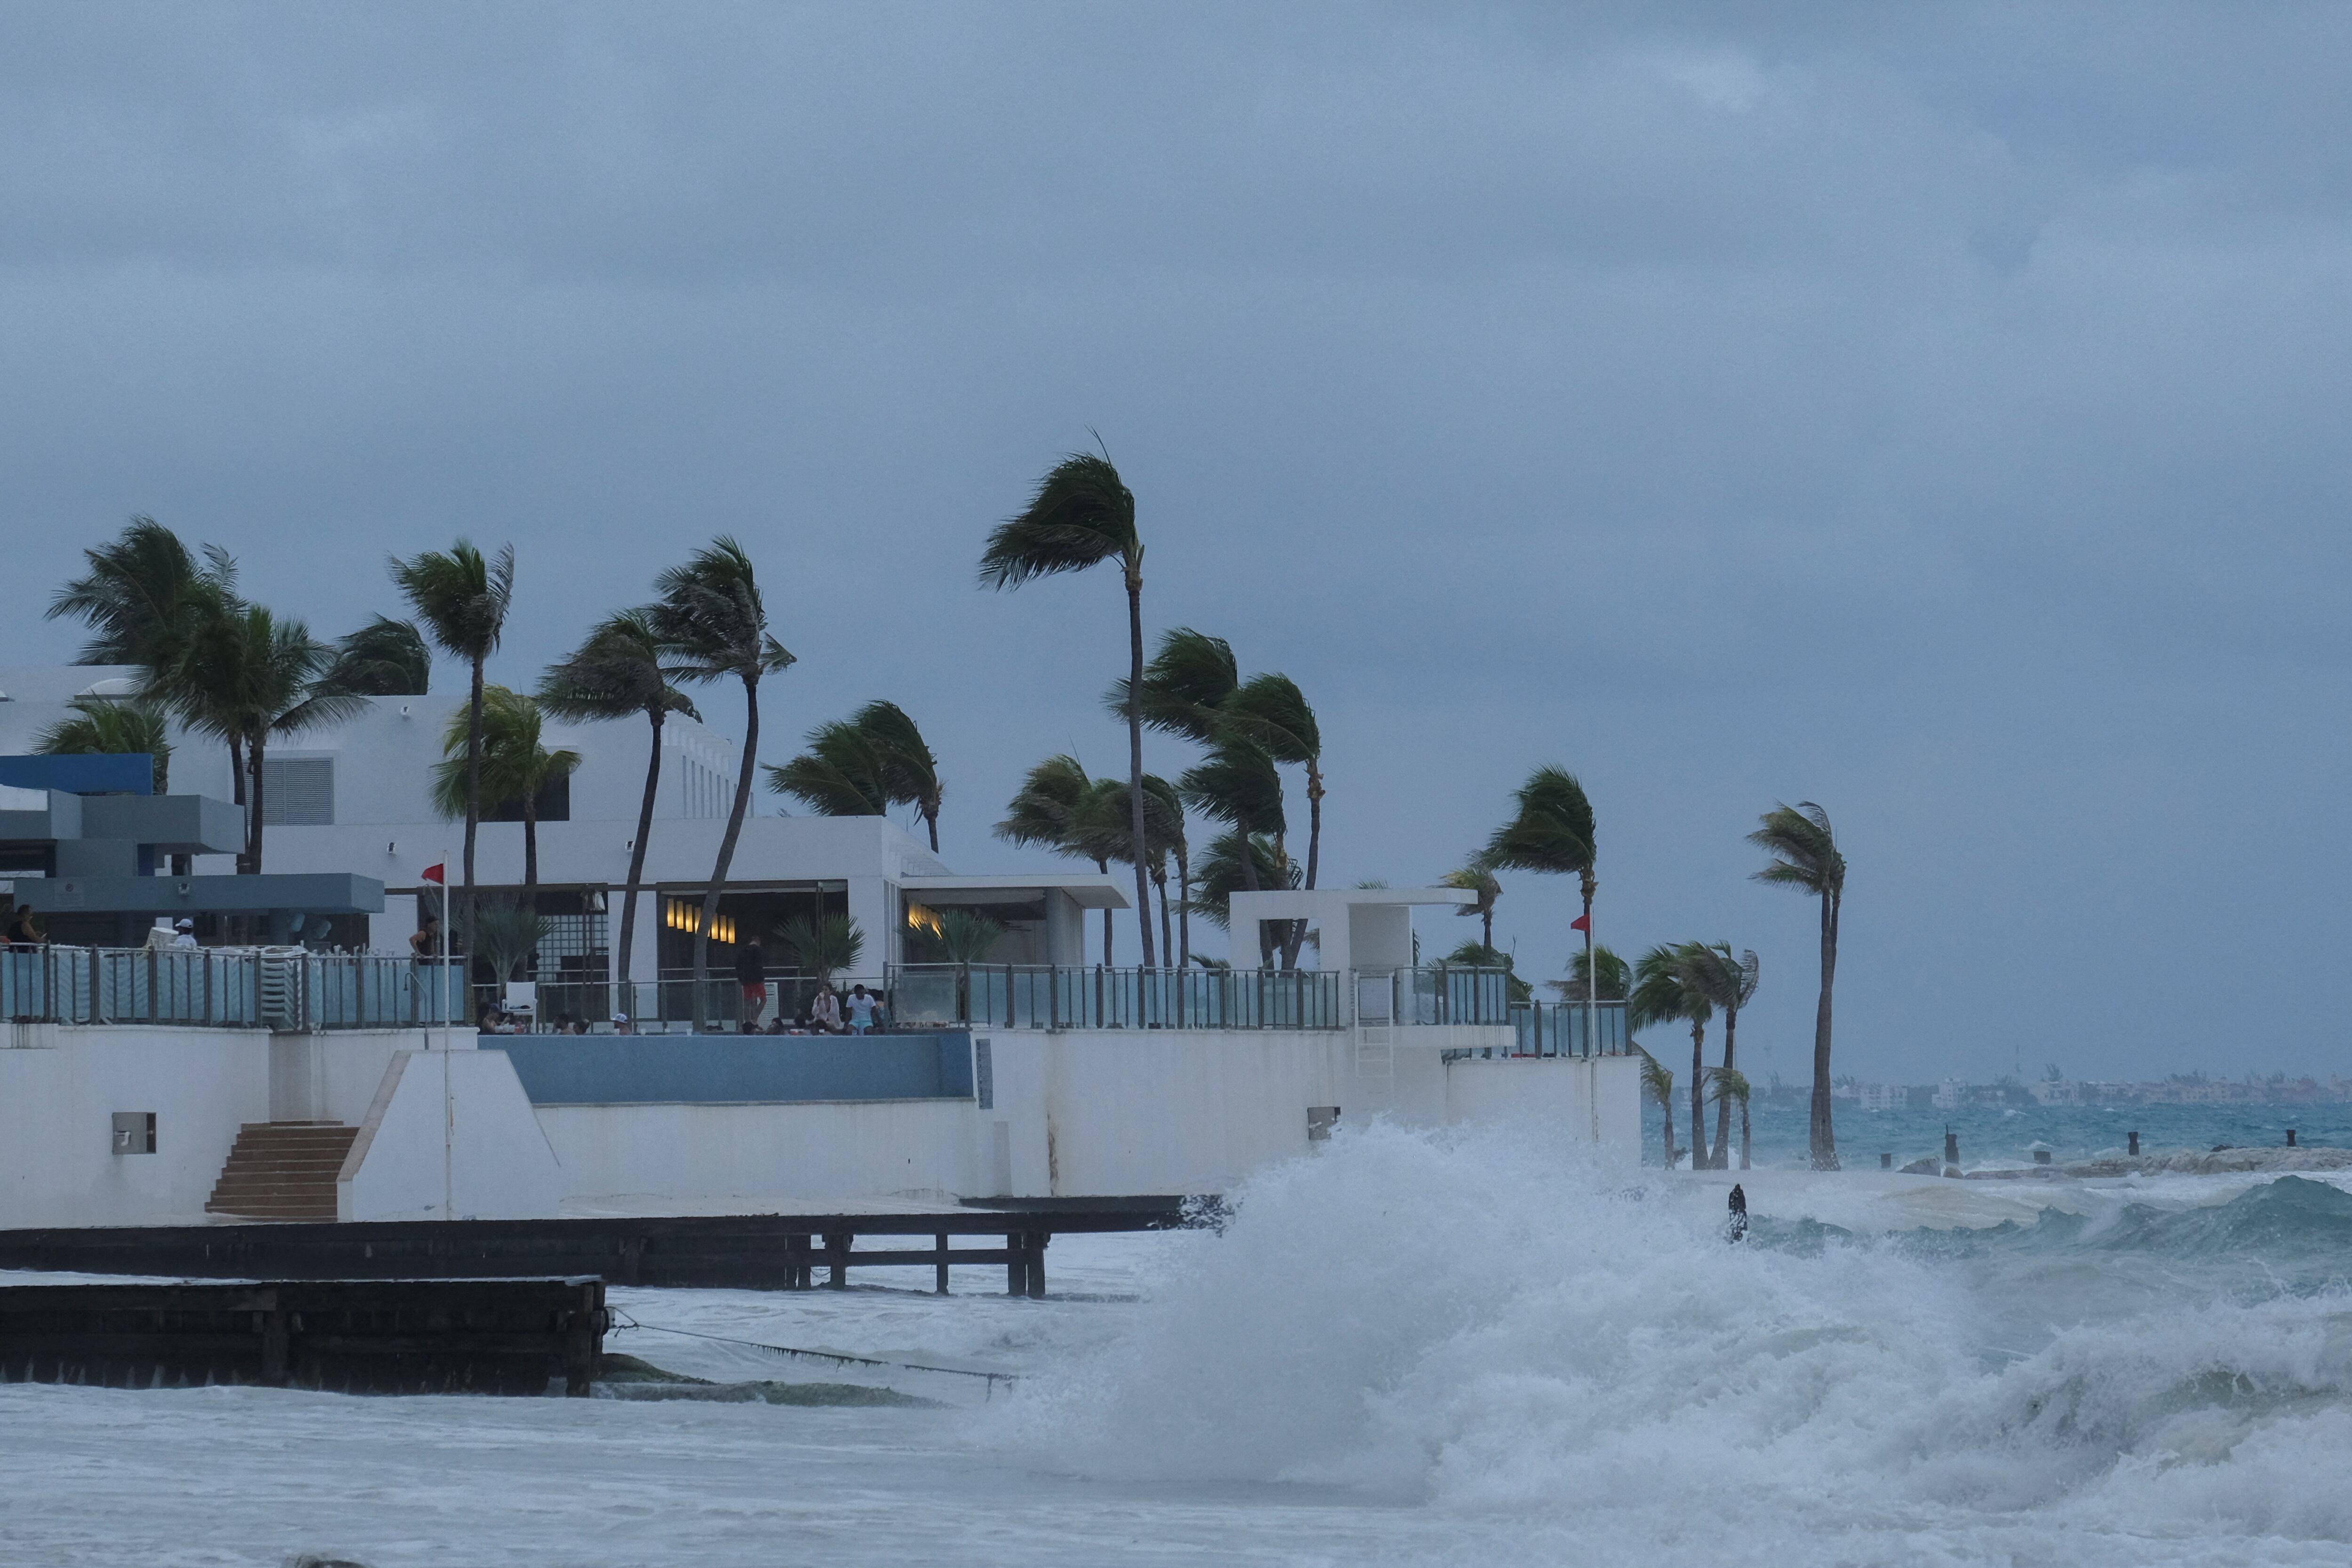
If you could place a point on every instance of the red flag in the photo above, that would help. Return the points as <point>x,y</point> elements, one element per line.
<point>433,872</point>
<point>1581,922</point>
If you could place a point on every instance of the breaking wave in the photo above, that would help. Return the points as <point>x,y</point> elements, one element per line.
<point>1478,1322</point>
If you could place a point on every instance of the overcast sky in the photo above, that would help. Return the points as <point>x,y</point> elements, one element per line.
<point>1933,411</point>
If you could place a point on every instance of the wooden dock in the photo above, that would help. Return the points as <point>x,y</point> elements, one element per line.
<point>373,1336</point>
<point>761,1251</point>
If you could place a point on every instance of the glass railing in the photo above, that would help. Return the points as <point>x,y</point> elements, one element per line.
<point>222,987</point>
<point>1045,996</point>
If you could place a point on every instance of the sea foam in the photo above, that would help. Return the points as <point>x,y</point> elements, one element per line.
<point>1486,1322</point>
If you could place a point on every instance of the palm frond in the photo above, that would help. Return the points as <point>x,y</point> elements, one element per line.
<point>1552,829</point>
<point>106,726</point>
<point>1271,712</point>
<point>384,658</point>
<point>1805,850</point>
<point>461,595</point>
<point>1236,784</point>
<point>1081,515</point>
<point>1185,685</point>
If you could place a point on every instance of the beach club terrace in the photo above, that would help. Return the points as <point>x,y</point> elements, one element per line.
<point>301,1062</point>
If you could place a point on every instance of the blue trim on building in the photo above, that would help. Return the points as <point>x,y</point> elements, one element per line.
<point>98,773</point>
<point>734,1069</point>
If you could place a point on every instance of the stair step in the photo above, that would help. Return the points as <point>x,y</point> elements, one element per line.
<point>282,1170</point>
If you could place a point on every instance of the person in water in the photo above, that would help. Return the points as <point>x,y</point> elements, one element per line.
<point>1736,1227</point>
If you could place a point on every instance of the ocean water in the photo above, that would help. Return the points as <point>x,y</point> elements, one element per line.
<point>1992,1137</point>
<point>1407,1348</point>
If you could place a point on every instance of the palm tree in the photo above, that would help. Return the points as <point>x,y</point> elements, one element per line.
<point>911,774</point>
<point>105,726</point>
<point>863,765</point>
<point>246,675</point>
<point>1272,712</point>
<point>1481,956</point>
<point>135,593</point>
<point>617,674</point>
<point>1616,977</point>
<point>1236,784</point>
<point>1729,1085</point>
<point>1475,876</point>
<point>1668,988</point>
<point>1184,686</point>
<point>1049,811</point>
<point>462,598</point>
<point>1552,833</point>
<point>1729,983</point>
<point>1658,1083</point>
<point>1805,855</point>
<point>1231,864</point>
<point>384,658</point>
<point>505,933</point>
<point>1165,807</point>
<point>516,766</point>
<point>822,945</point>
<point>142,595</point>
<point>965,939</point>
<point>1101,828</point>
<point>840,774</point>
<point>712,623</point>
<point>1081,516</point>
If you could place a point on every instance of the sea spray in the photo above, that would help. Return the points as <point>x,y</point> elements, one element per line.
<point>1489,1321</point>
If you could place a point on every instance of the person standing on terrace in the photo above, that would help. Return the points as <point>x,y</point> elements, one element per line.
<point>752,974</point>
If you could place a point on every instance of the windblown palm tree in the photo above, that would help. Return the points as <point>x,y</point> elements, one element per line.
<point>840,775</point>
<point>617,674</point>
<point>109,726</point>
<point>1669,988</point>
<point>1727,1085</point>
<point>462,598</point>
<point>1082,514</point>
<point>863,765</point>
<point>1475,876</point>
<point>143,594</point>
<point>713,624</point>
<point>1233,864</point>
<point>1185,687</point>
<point>1616,977</point>
<point>1729,983</point>
<point>1238,785</point>
<point>516,766</point>
<point>1658,1083</point>
<point>246,675</point>
<point>1102,827</point>
<point>1551,833</point>
<point>384,658</point>
<point>1805,856</point>
<point>1270,711</point>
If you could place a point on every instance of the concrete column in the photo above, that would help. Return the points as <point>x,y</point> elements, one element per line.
<point>874,904</point>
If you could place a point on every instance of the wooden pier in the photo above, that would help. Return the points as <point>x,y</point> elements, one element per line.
<point>373,1336</point>
<point>761,1251</point>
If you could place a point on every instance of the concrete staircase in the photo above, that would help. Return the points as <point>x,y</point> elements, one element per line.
<point>282,1170</point>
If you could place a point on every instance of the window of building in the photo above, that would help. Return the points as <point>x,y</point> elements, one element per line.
<point>298,791</point>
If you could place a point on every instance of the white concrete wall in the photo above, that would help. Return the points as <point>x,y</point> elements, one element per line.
<point>450,1136</point>
<point>57,1095</point>
<point>1594,1099</point>
<point>333,1077</point>
<point>926,1149</point>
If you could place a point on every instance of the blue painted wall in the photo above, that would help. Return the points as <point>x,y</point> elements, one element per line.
<point>719,1069</point>
<point>106,773</point>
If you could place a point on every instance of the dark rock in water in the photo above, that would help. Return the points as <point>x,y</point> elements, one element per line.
<point>307,1561</point>
<point>1922,1167</point>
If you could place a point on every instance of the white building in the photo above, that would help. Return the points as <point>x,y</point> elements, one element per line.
<point>1042,1078</point>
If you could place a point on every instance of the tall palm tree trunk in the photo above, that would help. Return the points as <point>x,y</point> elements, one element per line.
<point>1183,907</point>
<point>1103,866</point>
<point>1314,820</point>
<point>932,821</point>
<point>1698,1094</point>
<point>1721,1158</point>
<point>637,861</point>
<point>1824,1135</point>
<point>726,854</point>
<point>1159,881</point>
<point>530,874</point>
<point>253,824</point>
<point>1135,757</point>
<point>473,790</point>
<point>1743,1134</point>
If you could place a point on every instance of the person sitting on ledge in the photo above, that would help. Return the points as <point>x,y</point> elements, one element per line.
<point>865,1007</point>
<point>825,1012</point>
